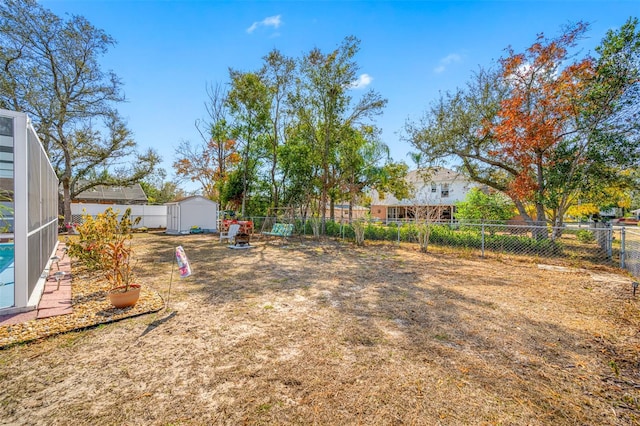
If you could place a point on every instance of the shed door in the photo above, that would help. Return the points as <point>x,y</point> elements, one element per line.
<point>173,211</point>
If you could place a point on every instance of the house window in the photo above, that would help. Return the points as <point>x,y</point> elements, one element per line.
<point>433,187</point>
<point>445,190</point>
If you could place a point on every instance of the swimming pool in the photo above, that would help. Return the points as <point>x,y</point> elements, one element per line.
<point>7,276</point>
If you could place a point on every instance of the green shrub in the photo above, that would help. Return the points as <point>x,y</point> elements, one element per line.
<point>95,234</point>
<point>585,236</point>
<point>444,235</point>
<point>380,232</point>
<point>332,229</point>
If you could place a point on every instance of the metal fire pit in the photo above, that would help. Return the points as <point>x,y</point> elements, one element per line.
<point>242,239</point>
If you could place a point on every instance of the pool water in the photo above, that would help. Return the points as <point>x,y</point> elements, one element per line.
<point>7,276</point>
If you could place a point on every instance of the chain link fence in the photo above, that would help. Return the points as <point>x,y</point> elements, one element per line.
<point>579,243</point>
<point>630,247</point>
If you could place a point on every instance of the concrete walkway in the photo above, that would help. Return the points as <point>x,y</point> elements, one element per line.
<point>55,300</point>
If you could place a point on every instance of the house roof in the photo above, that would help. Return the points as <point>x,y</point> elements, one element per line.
<point>120,194</point>
<point>437,175</point>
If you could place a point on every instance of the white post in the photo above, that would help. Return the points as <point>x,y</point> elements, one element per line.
<point>20,231</point>
<point>482,238</point>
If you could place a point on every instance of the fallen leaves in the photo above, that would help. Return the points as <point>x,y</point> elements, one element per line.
<point>91,307</point>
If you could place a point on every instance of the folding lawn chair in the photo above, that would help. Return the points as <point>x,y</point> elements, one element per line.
<point>231,233</point>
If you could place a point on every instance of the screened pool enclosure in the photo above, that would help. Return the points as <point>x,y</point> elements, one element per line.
<point>28,214</point>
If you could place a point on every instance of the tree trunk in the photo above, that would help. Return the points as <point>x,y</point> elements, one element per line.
<point>558,224</point>
<point>540,232</point>
<point>245,178</point>
<point>66,183</point>
<point>541,217</point>
<point>66,201</point>
<point>274,184</point>
<point>323,205</point>
<point>332,209</point>
<point>523,212</point>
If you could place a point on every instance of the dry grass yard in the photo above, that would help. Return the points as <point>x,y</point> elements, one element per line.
<point>326,333</point>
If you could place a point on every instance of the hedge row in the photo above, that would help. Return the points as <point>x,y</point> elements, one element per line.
<point>444,235</point>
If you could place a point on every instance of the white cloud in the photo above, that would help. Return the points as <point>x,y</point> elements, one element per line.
<point>446,61</point>
<point>520,74</point>
<point>269,21</point>
<point>272,21</point>
<point>363,81</point>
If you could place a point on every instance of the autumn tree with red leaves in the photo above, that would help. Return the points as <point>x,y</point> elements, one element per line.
<point>546,128</point>
<point>539,112</point>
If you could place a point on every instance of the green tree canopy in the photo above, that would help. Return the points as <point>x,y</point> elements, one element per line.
<point>249,106</point>
<point>482,207</point>
<point>300,136</point>
<point>324,107</point>
<point>51,71</point>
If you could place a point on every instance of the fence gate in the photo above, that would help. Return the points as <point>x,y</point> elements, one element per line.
<point>630,250</point>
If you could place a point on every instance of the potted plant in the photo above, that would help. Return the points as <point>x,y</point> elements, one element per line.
<point>104,244</point>
<point>118,261</point>
<point>118,268</point>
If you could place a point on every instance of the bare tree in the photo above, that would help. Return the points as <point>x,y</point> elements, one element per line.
<point>208,163</point>
<point>425,215</point>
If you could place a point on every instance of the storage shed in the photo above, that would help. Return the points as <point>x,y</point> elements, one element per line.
<point>188,212</point>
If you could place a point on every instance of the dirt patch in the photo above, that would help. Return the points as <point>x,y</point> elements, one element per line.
<point>328,333</point>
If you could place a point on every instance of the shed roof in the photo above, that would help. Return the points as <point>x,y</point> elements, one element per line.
<point>190,198</point>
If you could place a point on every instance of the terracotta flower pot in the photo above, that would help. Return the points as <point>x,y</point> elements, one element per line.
<point>123,299</point>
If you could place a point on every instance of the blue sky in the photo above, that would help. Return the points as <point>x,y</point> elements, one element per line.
<point>167,51</point>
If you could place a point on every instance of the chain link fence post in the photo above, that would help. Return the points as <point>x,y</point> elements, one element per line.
<point>610,242</point>
<point>482,238</point>
<point>622,247</point>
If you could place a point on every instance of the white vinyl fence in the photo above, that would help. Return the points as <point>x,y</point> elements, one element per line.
<point>151,216</point>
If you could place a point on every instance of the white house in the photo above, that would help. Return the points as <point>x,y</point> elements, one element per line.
<point>188,212</point>
<point>435,194</point>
